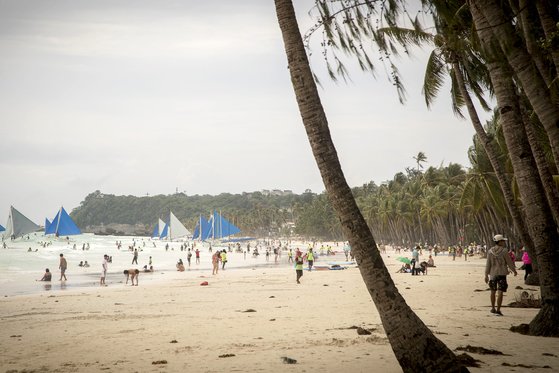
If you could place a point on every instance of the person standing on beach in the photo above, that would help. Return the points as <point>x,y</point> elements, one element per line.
<point>197,252</point>
<point>223,257</point>
<point>215,262</point>
<point>189,257</point>
<point>290,256</point>
<point>310,258</point>
<point>496,270</point>
<point>105,266</point>
<point>135,258</point>
<point>414,260</point>
<point>299,267</point>
<point>62,266</point>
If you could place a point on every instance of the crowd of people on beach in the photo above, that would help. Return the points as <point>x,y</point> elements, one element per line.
<point>300,260</point>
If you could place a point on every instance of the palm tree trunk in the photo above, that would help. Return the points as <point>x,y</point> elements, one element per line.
<point>415,346</point>
<point>528,21</point>
<point>489,12</point>
<point>549,18</point>
<point>504,183</point>
<point>543,168</point>
<point>542,227</point>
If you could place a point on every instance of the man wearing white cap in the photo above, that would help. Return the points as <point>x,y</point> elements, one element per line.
<point>496,270</point>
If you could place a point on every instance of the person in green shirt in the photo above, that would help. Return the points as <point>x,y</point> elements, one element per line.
<point>310,258</point>
<point>299,267</point>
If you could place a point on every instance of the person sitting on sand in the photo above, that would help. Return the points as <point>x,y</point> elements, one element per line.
<point>180,266</point>
<point>81,264</point>
<point>132,274</point>
<point>430,262</point>
<point>406,268</point>
<point>148,270</point>
<point>47,276</point>
<point>86,264</point>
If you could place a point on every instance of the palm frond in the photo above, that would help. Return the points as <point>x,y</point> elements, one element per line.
<point>434,77</point>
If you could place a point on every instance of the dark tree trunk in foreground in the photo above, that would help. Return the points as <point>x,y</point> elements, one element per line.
<point>523,66</point>
<point>414,345</point>
<point>541,225</point>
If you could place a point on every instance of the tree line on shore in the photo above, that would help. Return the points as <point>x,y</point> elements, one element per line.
<point>445,205</point>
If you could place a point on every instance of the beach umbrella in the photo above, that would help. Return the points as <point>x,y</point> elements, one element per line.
<point>403,260</point>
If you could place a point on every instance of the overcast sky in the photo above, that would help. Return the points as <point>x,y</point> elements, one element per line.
<point>136,97</point>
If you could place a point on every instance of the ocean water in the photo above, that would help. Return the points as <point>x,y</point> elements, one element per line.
<point>19,268</point>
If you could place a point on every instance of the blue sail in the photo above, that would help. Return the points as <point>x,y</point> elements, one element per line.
<point>51,229</point>
<point>226,228</point>
<point>205,232</point>
<point>62,225</point>
<point>2,229</point>
<point>155,231</point>
<point>165,230</point>
<point>222,227</point>
<point>47,225</point>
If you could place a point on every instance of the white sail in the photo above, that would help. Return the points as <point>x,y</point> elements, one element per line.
<point>161,226</point>
<point>19,225</point>
<point>176,228</point>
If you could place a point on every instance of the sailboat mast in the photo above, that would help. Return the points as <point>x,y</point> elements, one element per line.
<point>58,222</point>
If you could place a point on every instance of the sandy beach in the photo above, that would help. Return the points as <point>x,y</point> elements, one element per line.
<point>177,325</point>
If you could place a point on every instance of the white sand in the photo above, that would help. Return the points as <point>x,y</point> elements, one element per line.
<point>127,328</point>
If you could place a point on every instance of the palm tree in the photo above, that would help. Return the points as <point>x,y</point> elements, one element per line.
<point>542,227</point>
<point>419,159</point>
<point>492,14</point>
<point>423,352</point>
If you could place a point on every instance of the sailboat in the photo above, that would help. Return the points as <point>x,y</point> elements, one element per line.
<point>18,224</point>
<point>174,229</point>
<point>158,230</point>
<point>62,225</point>
<point>202,230</point>
<point>2,229</point>
<point>215,228</point>
<point>47,225</point>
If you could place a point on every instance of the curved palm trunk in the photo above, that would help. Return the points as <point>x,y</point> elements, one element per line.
<point>542,227</point>
<point>549,25</point>
<point>504,183</point>
<point>414,345</point>
<point>543,168</point>
<point>519,59</point>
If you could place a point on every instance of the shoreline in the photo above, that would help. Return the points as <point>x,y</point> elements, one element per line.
<point>190,326</point>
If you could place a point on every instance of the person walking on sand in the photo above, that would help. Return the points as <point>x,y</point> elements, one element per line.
<point>215,262</point>
<point>135,258</point>
<point>223,257</point>
<point>197,252</point>
<point>299,267</point>
<point>310,258</point>
<point>105,266</point>
<point>496,270</point>
<point>62,266</point>
<point>526,263</point>
<point>290,256</point>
